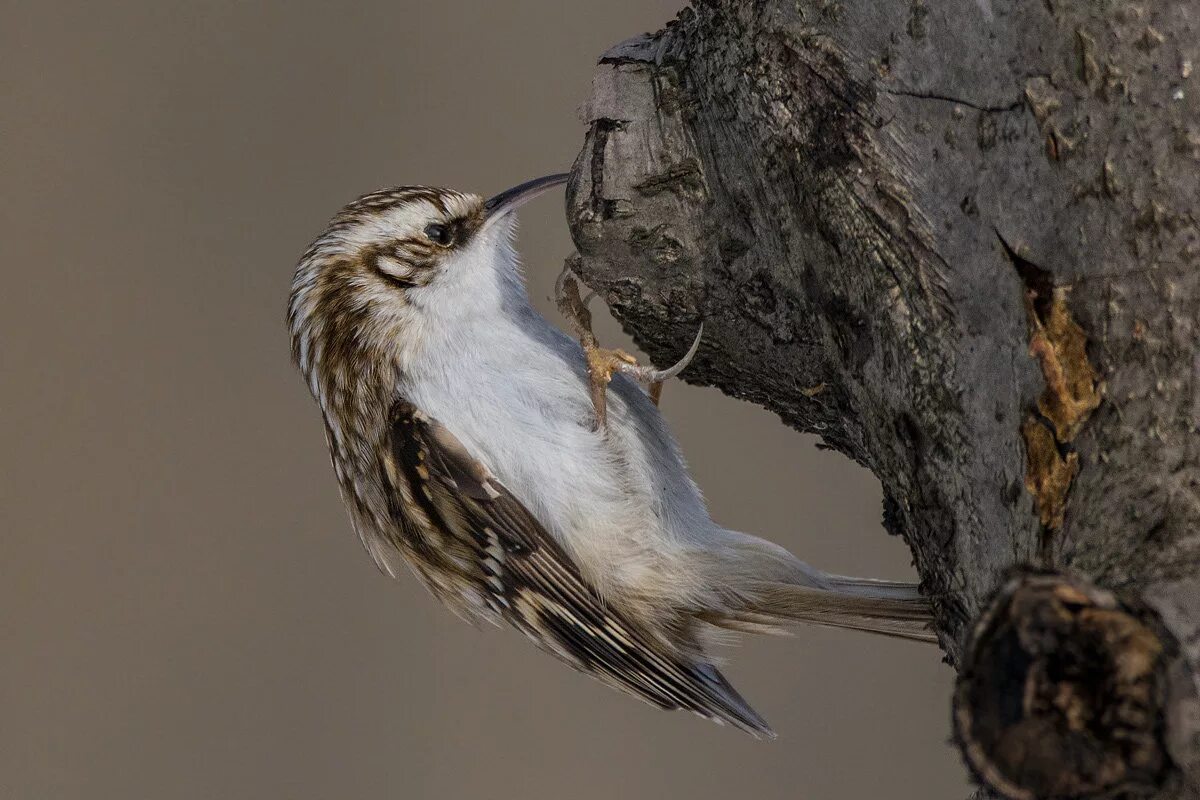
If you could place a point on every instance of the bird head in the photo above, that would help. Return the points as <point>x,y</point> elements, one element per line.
<point>396,267</point>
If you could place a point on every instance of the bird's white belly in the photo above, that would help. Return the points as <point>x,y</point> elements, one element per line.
<point>612,499</point>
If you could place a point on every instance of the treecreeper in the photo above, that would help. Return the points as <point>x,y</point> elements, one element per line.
<point>526,477</point>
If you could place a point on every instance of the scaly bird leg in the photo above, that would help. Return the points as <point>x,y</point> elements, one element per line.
<point>602,362</point>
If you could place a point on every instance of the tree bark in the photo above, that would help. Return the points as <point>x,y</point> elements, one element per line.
<point>960,242</point>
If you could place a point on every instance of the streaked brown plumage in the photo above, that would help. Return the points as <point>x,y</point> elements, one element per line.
<point>461,427</point>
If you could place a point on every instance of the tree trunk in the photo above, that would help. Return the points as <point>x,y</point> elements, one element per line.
<point>959,241</point>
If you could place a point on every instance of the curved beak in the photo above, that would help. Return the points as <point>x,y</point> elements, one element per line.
<point>512,199</point>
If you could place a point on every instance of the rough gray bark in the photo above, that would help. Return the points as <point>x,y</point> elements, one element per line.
<point>960,242</point>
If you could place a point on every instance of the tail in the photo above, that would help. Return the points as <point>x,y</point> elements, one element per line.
<point>883,607</point>
<point>771,587</point>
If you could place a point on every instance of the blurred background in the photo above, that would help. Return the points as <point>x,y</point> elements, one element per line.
<point>184,610</point>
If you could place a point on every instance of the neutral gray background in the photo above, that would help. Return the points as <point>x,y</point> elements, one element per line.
<point>184,610</point>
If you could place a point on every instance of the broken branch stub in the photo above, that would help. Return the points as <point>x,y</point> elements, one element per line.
<point>1062,693</point>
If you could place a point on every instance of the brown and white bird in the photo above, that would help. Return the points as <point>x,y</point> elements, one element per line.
<point>462,427</point>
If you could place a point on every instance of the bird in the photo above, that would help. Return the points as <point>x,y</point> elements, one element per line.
<point>468,446</point>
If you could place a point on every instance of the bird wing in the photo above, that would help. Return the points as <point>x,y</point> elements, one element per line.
<point>455,515</point>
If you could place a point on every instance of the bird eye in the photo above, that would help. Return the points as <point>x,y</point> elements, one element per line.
<point>438,234</point>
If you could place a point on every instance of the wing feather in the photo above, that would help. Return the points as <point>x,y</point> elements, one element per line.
<point>459,520</point>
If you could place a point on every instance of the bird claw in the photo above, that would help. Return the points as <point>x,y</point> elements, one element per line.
<point>652,376</point>
<point>602,362</point>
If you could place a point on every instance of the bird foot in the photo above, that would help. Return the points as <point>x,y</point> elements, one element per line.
<point>602,362</point>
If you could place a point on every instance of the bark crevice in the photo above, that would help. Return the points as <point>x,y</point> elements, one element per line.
<point>990,109</point>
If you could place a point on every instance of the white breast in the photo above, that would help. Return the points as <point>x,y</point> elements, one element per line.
<point>514,390</point>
